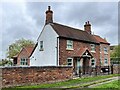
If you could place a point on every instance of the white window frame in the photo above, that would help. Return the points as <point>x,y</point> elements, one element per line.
<point>93,62</point>
<point>41,44</point>
<point>92,47</point>
<point>69,45</point>
<point>105,61</point>
<point>70,62</point>
<point>24,62</point>
<point>106,50</point>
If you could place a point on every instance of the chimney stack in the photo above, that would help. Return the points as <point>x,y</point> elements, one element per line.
<point>87,27</point>
<point>49,16</point>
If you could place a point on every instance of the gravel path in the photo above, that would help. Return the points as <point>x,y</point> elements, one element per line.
<point>93,83</point>
<point>109,80</point>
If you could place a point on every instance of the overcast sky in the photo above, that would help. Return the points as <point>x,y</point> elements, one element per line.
<point>26,19</point>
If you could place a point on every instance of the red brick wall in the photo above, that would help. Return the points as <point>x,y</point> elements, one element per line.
<point>16,76</point>
<point>77,45</point>
<point>23,54</point>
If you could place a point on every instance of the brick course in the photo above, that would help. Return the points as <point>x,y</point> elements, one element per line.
<point>17,76</point>
<point>77,45</point>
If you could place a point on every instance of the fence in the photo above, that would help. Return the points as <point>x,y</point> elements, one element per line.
<point>97,70</point>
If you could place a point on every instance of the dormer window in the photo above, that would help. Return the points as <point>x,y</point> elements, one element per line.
<point>92,47</point>
<point>41,45</point>
<point>69,44</point>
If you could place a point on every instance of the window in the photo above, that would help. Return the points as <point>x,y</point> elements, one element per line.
<point>70,61</point>
<point>23,61</point>
<point>106,61</point>
<point>93,62</point>
<point>69,44</point>
<point>41,45</point>
<point>105,50</point>
<point>92,47</point>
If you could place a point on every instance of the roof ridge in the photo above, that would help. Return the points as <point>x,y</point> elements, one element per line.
<point>69,27</point>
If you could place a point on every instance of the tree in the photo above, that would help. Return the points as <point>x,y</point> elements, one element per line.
<point>116,52</point>
<point>115,55</point>
<point>15,47</point>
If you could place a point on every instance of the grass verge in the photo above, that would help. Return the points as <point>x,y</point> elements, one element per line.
<point>111,85</point>
<point>64,84</point>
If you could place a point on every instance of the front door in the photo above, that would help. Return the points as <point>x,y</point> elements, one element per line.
<point>85,65</point>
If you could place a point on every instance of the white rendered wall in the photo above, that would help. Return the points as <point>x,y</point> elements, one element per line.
<point>47,57</point>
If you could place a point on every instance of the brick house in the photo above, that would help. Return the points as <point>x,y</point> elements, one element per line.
<point>63,45</point>
<point>22,58</point>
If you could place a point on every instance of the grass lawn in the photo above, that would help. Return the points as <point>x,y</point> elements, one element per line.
<point>111,85</point>
<point>67,84</point>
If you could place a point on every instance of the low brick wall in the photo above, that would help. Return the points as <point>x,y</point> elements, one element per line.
<point>17,76</point>
<point>116,69</point>
<point>0,78</point>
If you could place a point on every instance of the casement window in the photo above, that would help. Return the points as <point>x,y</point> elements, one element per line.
<point>69,44</point>
<point>23,61</point>
<point>41,45</point>
<point>92,47</point>
<point>105,50</point>
<point>69,61</point>
<point>92,62</point>
<point>106,61</point>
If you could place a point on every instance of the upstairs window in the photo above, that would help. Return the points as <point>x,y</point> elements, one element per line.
<point>23,61</point>
<point>105,50</point>
<point>70,61</point>
<point>92,47</point>
<point>41,45</point>
<point>69,44</point>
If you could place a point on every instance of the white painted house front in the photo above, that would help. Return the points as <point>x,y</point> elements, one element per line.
<point>47,55</point>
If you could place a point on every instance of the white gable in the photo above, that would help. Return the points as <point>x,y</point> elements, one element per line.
<point>48,56</point>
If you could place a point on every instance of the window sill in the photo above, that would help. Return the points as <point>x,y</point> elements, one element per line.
<point>69,49</point>
<point>105,64</point>
<point>105,53</point>
<point>93,51</point>
<point>41,50</point>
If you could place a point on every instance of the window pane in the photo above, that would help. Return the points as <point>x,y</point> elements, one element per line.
<point>41,45</point>
<point>69,61</point>
<point>69,44</point>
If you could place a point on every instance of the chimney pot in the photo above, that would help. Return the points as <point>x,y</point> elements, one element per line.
<point>88,22</point>
<point>87,27</point>
<point>49,16</point>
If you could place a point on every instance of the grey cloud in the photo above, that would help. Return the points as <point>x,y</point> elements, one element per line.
<point>28,22</point>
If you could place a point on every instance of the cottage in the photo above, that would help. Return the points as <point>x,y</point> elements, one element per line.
<point>59,45</point>
<point>22,58</point>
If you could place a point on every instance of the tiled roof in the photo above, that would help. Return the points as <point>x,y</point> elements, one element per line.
<point>79,53</point>
<point>72,33</point>
<point>29,49</point>
<point>100,40</point>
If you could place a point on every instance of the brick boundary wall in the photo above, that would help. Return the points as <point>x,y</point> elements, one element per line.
<point>18,76</point>
<point>116,69</point>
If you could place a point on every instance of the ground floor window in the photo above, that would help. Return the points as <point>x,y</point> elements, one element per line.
<point>69,61</point>
<point>23,61</point>
<point>92,62</point>
<point>106,61</point>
